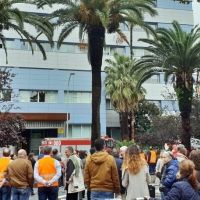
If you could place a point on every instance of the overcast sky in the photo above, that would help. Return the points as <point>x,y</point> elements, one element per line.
<point>196,9</point>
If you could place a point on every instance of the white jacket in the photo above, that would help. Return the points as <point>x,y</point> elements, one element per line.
<point>76,183</point>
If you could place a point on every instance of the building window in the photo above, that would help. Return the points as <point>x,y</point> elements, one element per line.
<point>78,50</point>
<point>157,103</point>
<point>26,46</point>
<point>106,50</point>
<point>5,95</point>
<point>79,131</point>
<point>78,97</point>
<point>121,26</point>
<point>46,46</point>
<point>63,48</point>
<point>138,52</point>
<point>109,105</point>
<point>10,44</point>
<point>153,79</point>
<point>137,28</point>
<point>70,48</point>
<point>119,50</point>
<point>153,26</point>
<point>38,96</point>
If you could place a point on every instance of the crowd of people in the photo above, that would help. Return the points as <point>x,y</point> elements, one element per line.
<point>123,173</point>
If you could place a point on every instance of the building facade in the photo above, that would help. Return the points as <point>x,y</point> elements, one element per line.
<point>48,90</point>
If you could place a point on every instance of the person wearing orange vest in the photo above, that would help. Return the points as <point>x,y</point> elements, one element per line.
<point>151,160</point>
<point>5,188</point>
<point>47,171</point>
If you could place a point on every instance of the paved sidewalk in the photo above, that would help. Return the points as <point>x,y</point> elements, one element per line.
<point>62,194</point>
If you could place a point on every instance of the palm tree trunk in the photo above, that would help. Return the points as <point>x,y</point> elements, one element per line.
<point>185,96</point>
<point>131,56</point>
<point>131,42</point>
<point>120,122</point>
<point>96,37</point>
<point>132,116</point>
<point>124,127</point>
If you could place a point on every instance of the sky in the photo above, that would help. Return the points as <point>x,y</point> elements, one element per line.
<point>196,9</point>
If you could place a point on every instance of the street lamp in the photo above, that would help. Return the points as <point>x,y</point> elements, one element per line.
<point>71,74</point>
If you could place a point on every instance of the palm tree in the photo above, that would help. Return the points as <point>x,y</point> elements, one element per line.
<point>93,17</point>
<point>12,18</point>
<point>176,53</point>
<point>147,7</point>
<point>121,83</point>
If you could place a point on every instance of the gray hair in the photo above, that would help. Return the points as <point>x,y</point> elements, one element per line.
<point>123,148</point>
<point>180,146</point>
<point>47,150</point>
<point>168,154</point>
<point>71,149</point>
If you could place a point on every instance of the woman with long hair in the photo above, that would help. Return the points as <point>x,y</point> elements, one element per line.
<point>186,188</point>
<point>195,157</point>
<point>135,173</point>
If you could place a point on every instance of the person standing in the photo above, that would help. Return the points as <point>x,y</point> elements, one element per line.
<point>5,189</point>
<point>19,174</point>
<point>195,157</point>
<point>135,174</point>
<point>55,155</point>
<point>74,176</point>
<point>58,158</point>
<point>151,160</point>
<point>182,154</point>
<point>47,171</point>
<point>92,151</point>
<point>123,151</point>
<point>168,172</point>
<point>101,175</point>
<point>119,166</point>
<point>32,160</point>
<point>187,186</point>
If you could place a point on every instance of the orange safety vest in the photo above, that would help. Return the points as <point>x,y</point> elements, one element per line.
<point>3,165</point>
<point>47,170</point>
<point>143,156</point>
<point>153,157</point>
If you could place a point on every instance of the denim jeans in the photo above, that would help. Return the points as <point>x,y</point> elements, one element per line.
<point>5,193</point>
<point>152,168</point>
<point>100,195</point>
<point>21,194</point>
<point>48,192</point>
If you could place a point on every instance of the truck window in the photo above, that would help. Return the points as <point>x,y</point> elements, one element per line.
<point>108,143</point>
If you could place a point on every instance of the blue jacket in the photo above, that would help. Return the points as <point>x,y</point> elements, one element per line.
<point>170,175</point>
<point>181,190</point>
<point>119,166</point>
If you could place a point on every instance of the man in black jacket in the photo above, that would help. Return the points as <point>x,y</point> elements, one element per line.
<point>119,166</point>
<point>69,170</point>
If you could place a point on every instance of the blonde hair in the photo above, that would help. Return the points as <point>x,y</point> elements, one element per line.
<point>133,160</point>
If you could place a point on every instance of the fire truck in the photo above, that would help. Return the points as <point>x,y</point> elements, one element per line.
<point>77,144</point>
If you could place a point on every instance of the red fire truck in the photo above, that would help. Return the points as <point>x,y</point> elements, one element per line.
<point>78,144</point>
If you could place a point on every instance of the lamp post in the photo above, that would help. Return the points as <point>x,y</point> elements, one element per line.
<point>71,74</point>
